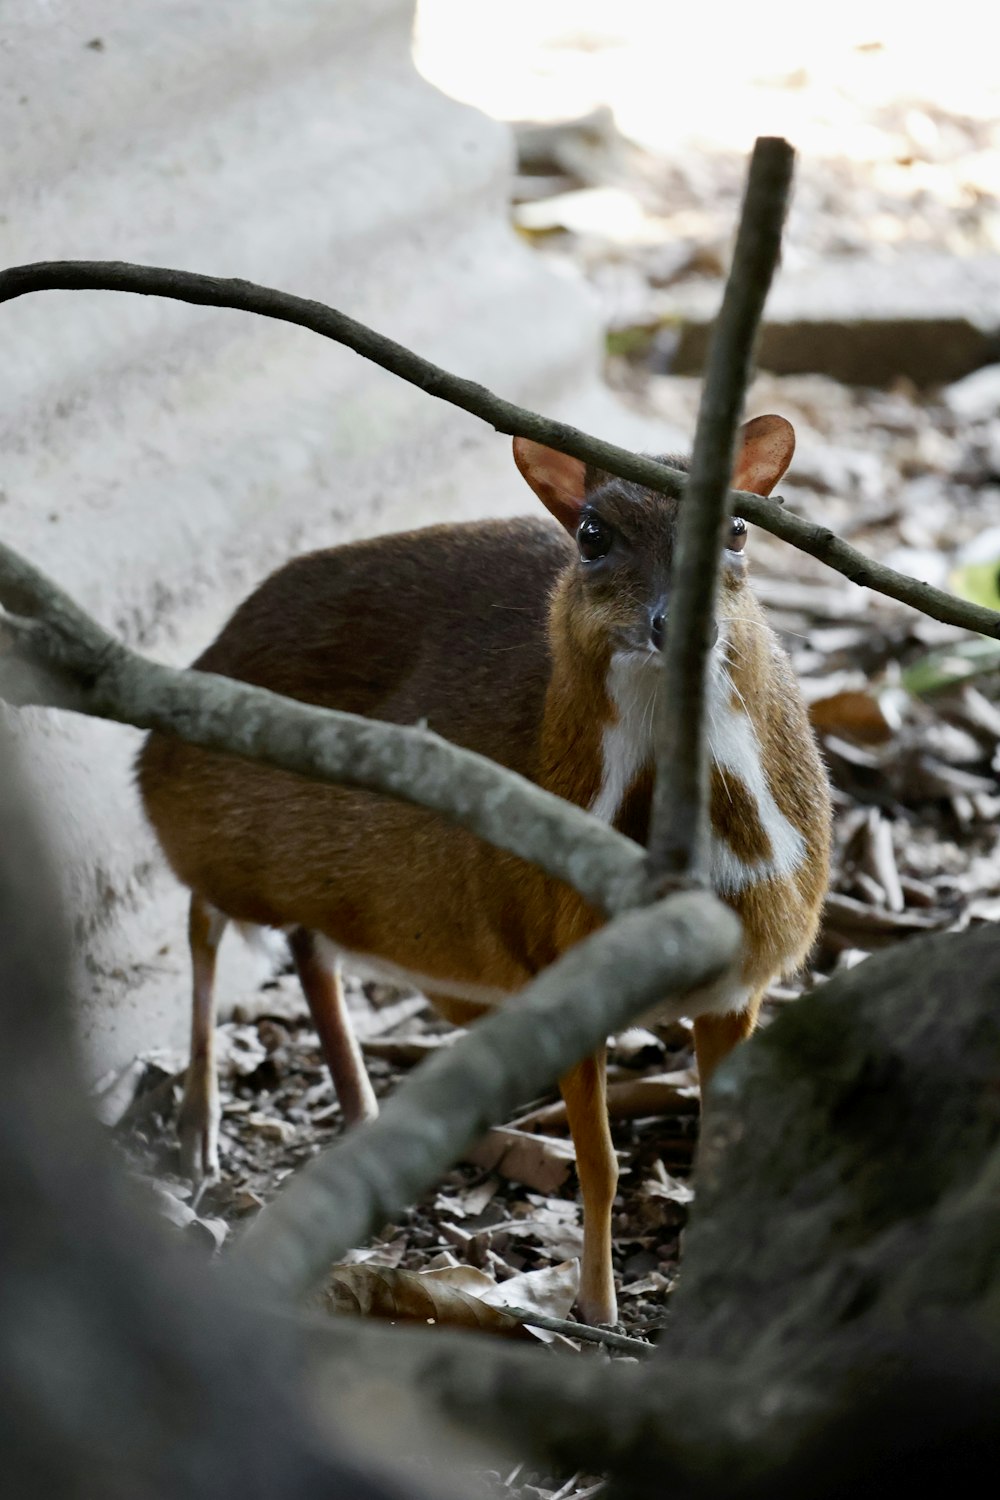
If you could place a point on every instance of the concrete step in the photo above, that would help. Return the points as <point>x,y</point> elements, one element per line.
<point>929,318</point>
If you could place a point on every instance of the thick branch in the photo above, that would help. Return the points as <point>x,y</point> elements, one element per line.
<point>645,958</point>
<point>83,668</point>
<point>696,1418</point>
<point>678,840</point>
<point>504,416</point>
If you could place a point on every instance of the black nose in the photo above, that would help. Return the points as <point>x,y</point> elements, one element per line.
<point>657,628</point>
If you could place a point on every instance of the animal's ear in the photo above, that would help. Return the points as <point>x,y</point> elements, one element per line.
<point>558,480</point>
<point>765,450</point>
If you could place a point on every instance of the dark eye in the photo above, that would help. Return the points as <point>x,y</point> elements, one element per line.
<point>737,538</point>
<point>593,539</point>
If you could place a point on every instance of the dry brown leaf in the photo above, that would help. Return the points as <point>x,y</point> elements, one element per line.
<point>550,1291</point>
<point>387,1254</point>
<point>852,715</point>
<point>372,1022</point>
<point>553,1222</point>
<point>854,924</point>
<point>464,1279</point>
<point>538,1161</point>
<point>410,1297</point>
<point>630,1099</point>
<point>670,1188</point>
<point>407,1051</point>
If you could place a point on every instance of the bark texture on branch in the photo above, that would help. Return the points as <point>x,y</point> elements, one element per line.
<point>857,1343</point>
<point>679,828</point>
<point>504,416</point>
<point>127,1368</point>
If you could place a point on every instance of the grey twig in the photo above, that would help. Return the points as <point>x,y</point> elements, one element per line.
<point>660,952</point>
<point>504,416</point>
<point>582,1331</point>
<point>63,658</point>
<point>828,548</point>
<point>678,839</point>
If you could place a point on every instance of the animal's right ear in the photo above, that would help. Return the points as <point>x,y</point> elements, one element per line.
<point>558,480</point>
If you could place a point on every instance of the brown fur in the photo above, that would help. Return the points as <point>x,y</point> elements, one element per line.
<point>497,636</point>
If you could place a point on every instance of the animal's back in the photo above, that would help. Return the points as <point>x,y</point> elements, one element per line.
<point>446,625</point>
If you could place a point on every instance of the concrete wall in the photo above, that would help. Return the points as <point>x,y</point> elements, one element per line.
<point>157,459</point>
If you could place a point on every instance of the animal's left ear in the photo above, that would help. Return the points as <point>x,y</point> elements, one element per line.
<point>766,445</point>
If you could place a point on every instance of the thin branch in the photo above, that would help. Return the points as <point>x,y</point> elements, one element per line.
<point>503,416</point>
<point>587,1334</point>
<point>651,956</point>
<point>679,828</point>
<point>247,296</point>
<point>83,668</point>
<point>828,548</point>
<point>584,1333</point>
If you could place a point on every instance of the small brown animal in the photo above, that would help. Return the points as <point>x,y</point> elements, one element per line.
<point>540,648</point>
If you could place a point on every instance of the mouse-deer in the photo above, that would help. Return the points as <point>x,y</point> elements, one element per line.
<point>537,645</point>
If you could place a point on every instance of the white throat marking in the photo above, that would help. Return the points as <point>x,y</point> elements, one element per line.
<point>627,747</point>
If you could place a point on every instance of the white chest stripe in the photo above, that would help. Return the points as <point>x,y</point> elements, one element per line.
<point>627,744</point>
<point>733,745</point>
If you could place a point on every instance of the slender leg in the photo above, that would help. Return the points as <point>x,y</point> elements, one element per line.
<point>320,980</point>
<point>198,1123</point>
<point>715,1036</point>
<point>583,1089</point>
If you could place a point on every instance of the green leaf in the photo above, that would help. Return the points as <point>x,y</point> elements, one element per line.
<point>979,582</point>
<point>954,664</point>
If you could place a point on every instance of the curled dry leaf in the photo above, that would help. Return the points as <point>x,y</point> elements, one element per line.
<point>630,1099</point>
<point>538,1161</point>
<point>855,716</point>
<point>212,1231</point>
<point>239,1050</point>
<point>549,1292</point>
<point>854,924</point>
<point>662,1185</point>
<point>413,1297</point>
<point>405,1052</point>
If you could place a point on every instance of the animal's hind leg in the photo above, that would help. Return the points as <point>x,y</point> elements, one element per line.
<point>715,1036</point>
<point>198,1123</point>
<point>320,980</point>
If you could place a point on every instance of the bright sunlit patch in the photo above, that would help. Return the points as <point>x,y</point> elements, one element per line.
<point>716,76</point>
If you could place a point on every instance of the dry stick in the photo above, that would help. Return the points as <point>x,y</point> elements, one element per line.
<point>679,826</point>
<point>582,1331</point>
<point>504,416</point>
<point>339,1199</point>
<point>83,668</point>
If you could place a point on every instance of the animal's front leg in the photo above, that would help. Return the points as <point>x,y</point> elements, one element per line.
<point>584,1091</point>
